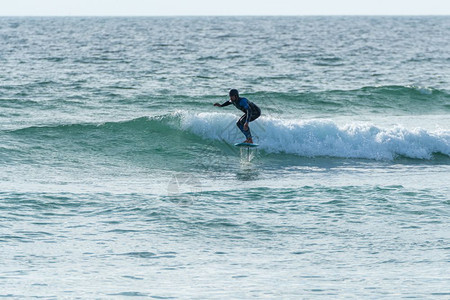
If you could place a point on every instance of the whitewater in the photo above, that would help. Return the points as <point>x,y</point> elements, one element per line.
<point>313,138</point>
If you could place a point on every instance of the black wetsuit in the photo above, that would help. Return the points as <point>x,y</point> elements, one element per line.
<point>252,112</point>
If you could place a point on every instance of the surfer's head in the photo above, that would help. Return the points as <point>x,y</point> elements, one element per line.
<point>234,94</point>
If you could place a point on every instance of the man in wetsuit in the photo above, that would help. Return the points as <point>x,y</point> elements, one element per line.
<point>251,112</point>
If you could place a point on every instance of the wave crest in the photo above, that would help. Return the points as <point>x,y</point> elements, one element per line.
<point>308,138</point>
<point>314,138</point>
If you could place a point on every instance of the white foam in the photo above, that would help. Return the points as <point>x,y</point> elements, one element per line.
<point>324,137</point>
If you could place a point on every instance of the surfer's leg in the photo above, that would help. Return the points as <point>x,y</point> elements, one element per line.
<point>255,115</point>
<point>240,125</point>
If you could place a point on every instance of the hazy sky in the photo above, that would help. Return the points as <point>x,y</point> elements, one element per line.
<point>222,7</point>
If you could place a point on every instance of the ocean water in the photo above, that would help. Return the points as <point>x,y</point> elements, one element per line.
<point>119,179</point>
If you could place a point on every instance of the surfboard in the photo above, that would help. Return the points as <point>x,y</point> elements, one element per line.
<point>246,145</point>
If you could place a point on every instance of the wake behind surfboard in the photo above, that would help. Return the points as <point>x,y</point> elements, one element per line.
<point>248,151</point>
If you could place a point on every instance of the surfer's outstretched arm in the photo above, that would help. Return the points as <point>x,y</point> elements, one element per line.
<point>224,104</point>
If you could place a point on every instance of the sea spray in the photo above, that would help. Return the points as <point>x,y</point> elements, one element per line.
<point>314,138</point>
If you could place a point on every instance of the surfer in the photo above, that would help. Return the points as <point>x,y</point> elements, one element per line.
<point>251,112</point>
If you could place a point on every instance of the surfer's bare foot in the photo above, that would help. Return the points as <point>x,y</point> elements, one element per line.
<point>249,141</point>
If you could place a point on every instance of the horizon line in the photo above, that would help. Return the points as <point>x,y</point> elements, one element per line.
<point>243,15</point>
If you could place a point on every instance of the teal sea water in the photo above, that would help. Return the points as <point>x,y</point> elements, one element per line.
<point>119,179</point>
